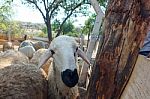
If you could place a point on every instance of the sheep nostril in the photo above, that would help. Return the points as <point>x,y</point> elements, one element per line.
<point>70,78</point>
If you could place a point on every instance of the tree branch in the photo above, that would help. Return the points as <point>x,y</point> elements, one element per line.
<point>45,5</point>
<point>60,28</point>
<point>38,9</point>
<point>55,6</point>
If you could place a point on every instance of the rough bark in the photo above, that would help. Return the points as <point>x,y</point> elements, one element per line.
<point>125,26</point>
<point>48,25</point>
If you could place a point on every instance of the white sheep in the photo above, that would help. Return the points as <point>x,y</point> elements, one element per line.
<point>63,73</point>
<point>28,51</point>
<point>26,43</point>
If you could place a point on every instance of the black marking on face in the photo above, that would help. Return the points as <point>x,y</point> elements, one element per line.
<point>52,52</point>
<point>69,77</point>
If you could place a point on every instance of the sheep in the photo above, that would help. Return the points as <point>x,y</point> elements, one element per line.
<point>8,46</point>
<point>35,59</point>
<point>28,51</point>
<point>63,73</point>
<point>22,81</point>
<point>10,57</point>
<point>39,44</point>
<point>26,43</point>
<point>26,47</point>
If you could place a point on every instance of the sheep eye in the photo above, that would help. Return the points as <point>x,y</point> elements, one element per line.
<point>52,52</point>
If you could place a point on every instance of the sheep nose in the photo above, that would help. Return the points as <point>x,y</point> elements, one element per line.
<point>69,77</point>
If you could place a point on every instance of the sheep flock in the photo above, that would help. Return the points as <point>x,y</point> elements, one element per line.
<point>41,71</point>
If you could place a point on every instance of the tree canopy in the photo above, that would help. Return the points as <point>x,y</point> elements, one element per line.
<point>88,25</point>
<point>52,9</point>
<point>5,14</point>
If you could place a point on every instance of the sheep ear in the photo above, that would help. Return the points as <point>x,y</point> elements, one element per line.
<point>43,59</point>
<point>83,56</point>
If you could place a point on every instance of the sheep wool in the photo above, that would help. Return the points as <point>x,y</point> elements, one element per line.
<point>26,43</point>
<point>10,57</point>
<point>8,46</point>
<point>39,45</point>
<point>28,51</point>
<point>22,81</point>
<point>35,59</point>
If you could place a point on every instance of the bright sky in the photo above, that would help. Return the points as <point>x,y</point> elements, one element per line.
<point>26,14</point>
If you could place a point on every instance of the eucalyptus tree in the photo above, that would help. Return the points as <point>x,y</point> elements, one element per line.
<point>125,27</point>
<point>5,13</point>
<point>52,9</point>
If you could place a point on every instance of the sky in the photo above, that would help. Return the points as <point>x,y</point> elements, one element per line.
<point>26,14</point>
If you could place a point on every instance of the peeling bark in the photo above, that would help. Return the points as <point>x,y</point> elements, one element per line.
<point>125,26</point>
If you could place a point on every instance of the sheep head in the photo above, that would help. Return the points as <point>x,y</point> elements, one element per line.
<point>64,51</point>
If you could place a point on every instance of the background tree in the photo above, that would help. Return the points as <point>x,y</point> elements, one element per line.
<point>67,27</point>
<point>16,29</point>
<point>50,9</point>
<point>88,25</point>
<point>5,14</point>
<point>125,26</point>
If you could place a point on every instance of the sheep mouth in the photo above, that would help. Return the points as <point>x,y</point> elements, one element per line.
<point>70,78</point>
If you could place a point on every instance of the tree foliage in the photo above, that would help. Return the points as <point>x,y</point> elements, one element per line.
<point>16,28</point>
<point>88,25</point>
<point>52,9</point>
<point>5,14</point>
<point>103,3</point>
<point>67,29</point>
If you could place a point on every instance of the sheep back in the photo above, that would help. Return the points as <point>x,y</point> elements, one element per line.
<point>26,43</point>
<point>21,81</point>
<point>35,59</point>
<point>28,51</point>
<point>40,44</point>
<point>12,57</point>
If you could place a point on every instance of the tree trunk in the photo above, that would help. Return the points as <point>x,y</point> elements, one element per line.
<point>49,31</point>
<point>125,26</point>
<point>48,25</point>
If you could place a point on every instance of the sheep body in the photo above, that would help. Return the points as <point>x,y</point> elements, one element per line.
<point>22,81</point>
<point>10,57</point>
<point>40,44</point>
<point>8,46</point>
<point>26,43</point>
<point>28,51</point>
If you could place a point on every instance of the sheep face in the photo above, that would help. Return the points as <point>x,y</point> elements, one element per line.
<point>64,51</point>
